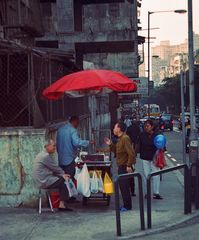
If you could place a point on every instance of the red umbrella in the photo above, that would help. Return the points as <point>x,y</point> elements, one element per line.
<point>89,82</point>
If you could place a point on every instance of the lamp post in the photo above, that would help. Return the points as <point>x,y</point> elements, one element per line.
<point>193,134</point>
<point>182,91</point>
<point>180,11</point>
<point>193,141</point>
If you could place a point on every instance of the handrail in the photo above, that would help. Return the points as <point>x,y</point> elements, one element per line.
<point>117,201</point>
<point>196,165</point>
<point>186,190</point>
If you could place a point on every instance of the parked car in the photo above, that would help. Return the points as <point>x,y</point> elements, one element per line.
<point>166,121</point>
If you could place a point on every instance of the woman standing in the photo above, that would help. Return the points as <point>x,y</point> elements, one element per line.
<point>147,151</point>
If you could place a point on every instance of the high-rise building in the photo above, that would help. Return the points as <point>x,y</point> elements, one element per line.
<point>166,59</point>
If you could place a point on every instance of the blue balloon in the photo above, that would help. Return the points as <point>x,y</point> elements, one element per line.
<point>160,141</point>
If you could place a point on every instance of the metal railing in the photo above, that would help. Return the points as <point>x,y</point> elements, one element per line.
<point>195,185</point>
<point>186,190</point>
<point>117,201</point>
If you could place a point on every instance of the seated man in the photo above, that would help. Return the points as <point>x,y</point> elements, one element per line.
<point>47,174</point>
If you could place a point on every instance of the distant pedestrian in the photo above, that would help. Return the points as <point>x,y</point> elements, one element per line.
<point>147,151</point>
<point>133,131</point>
<point>127,122</point>
<point>125,158</point>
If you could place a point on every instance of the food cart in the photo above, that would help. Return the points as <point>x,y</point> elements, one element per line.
<point>97,162</point>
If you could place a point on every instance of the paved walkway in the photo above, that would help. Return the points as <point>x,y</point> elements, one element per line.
<point>96,220</point>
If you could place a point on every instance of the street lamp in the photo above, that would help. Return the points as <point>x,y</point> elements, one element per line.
<point>193,141</point>
<point>180,11</point>
<point>193,133</point>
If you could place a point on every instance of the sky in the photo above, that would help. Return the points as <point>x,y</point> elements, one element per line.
<point>172,26</point>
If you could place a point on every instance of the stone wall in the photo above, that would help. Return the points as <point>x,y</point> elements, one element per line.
<point>18,148</point>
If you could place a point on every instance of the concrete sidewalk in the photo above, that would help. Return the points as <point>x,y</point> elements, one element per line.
<point>95,221</point>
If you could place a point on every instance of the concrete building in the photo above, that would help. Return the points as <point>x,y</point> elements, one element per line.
<point>165,59</point>
<point>42,40</point>
<point>102,32</point>
<point>162,58</point>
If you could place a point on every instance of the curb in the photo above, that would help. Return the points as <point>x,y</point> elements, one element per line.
<point>168,227</point>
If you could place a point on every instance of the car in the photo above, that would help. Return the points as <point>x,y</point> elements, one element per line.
<point>166,121</point>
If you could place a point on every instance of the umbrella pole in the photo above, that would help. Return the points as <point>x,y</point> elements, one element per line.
<point>92,109</point>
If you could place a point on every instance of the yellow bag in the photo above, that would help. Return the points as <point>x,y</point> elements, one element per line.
<point>108,184</point>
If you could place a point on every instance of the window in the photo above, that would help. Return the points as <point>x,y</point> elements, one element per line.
<point>47,44</point>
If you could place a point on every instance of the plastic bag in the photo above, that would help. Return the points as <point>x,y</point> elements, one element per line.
<point>108,184</point>
<point>159,160</point>
<point>100,181</point>
<point>83,181</point>
<point>94,183</point>
<point>72,191</point>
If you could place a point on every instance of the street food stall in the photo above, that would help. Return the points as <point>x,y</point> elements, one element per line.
<point>100,165</point>
<point>89,83</point>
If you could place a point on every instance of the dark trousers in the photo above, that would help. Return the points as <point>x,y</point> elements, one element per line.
<point>125,188</point>
<point>132,185</point>
<point>69,169</point>
<point>63,190</point>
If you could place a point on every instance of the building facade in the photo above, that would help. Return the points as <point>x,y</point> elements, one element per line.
<point>103,33</point>
<point>166,59</point>
<point>40,41</point>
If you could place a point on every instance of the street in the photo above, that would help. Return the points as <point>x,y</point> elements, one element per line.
<point>187,231</point>
<point>174,145</point>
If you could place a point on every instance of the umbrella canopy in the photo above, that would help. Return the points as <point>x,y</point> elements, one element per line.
<point>89,82</point>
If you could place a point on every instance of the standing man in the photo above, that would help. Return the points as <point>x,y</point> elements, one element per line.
<point>133,132</point>
<point>48,175</point>
<point>68,143</point>
<point>125,158</point>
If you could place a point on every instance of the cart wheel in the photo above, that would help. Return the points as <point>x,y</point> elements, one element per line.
<point>108,200</point>
<point>84,201</point>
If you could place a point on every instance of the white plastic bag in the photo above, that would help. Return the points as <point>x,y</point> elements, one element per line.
<point>94,187</point>
<point>71,188</point>
<point>83,181</point>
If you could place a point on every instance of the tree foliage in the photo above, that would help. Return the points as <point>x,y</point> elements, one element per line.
<point>167,95</point>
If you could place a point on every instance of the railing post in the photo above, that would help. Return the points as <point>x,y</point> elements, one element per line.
<point>187,207</point>
<point>197,187</point>
<point>117,202</point>
<point>186,190</point>
<point>190,188</point>
<point>149,202</point>
<point>117,207</point>
<point>141,202</point>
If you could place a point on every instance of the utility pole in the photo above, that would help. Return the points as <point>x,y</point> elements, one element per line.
<point>149,69</point>
<point>182,107</point>
<point>193,141</point>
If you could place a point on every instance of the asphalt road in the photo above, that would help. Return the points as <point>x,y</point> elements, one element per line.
<point>174,145</point>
